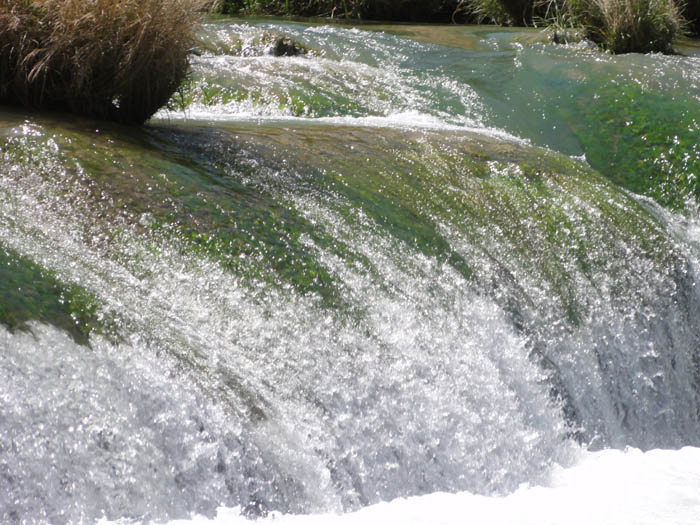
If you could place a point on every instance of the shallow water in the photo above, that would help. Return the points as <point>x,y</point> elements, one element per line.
<point>389,268</point>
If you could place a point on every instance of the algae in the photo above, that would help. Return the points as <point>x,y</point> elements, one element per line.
<point>31,293</point>
<point>643,140</point>
<point>515,213</point>
<point>496,211</point>
<point>172,179</point>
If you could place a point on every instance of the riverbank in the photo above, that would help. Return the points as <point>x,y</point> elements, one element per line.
<point>614,25</point>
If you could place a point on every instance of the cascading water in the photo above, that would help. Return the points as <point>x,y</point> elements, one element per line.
<point>339,279</point>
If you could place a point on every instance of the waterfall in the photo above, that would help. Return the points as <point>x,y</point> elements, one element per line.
<point>333,281</point>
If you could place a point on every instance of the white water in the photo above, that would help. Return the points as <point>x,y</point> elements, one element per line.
<point>609,487</point>
<point>224,390</point>
<point>358,75</point>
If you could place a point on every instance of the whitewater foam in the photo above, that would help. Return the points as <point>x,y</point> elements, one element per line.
<point>612,487</point>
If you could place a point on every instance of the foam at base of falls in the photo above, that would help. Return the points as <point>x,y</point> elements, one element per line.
<point>607,487</point>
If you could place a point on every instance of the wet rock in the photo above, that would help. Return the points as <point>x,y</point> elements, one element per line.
<point>252,42</point>
<point>286,47</point>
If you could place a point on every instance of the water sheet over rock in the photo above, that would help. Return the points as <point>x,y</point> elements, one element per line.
<point>323,312</point>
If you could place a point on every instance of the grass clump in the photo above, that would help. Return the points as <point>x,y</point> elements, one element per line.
<point>504,12</point>
<point>619,26</point>
<point>119,60</point>
<point>626,26</point>
<point>491,11</point>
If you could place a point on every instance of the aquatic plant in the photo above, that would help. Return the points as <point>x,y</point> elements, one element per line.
<point>642,140</point>
<point>120,61</point>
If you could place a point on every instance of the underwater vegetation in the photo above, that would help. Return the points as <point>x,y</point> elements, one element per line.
<point>31,293</point>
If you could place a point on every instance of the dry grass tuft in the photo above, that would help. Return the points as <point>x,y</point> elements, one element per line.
<point>624,26</point>
<point>620,26</point>
<point>111,59</point>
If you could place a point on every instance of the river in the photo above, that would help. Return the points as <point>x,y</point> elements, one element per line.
<point>415,274</point>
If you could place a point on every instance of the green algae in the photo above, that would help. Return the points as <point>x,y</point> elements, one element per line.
<point>514,212</point>
<point>643,140</point>
<point>635,118</point>
<point>498,212</point>
<point>31,293</point>
<point>306,96</point>
<point>178,189</point>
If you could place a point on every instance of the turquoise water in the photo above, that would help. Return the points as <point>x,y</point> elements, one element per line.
<point>390,267</point>
<point>634,117</point>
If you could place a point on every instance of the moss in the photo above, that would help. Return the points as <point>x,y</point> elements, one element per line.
<point>390,196</point>
<point>191,194</point>
<point>30,293</point>
<point>541,209</point>
<point>642,140</point>
<point>484,207</point>
<point>501,214</point>
<point>307,96</point>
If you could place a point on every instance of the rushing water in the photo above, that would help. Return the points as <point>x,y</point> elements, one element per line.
<point>407,262</point>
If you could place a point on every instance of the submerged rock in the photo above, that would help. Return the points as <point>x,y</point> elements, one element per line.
<point>565,36</point>
<point>285,46</point>
<point>273,43</point>
<point>252,42</point>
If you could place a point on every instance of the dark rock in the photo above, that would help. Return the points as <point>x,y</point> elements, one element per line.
<point>283,46</point>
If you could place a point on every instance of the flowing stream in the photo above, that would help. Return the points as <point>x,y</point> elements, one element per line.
<point>412,260</point>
